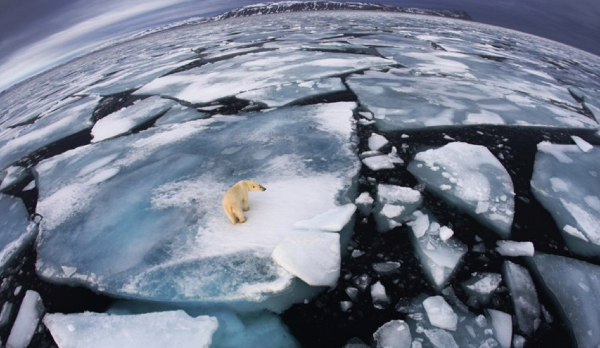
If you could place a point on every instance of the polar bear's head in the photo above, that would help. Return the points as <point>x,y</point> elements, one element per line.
<point>253,186</point>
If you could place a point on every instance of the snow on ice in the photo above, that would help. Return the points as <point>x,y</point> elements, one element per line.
<point>394,204</point>
<point>478,182</point>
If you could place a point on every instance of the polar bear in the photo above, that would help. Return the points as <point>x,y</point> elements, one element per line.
<point>235,199</point>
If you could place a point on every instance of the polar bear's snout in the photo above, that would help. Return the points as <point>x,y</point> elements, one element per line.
<point>262,188</point>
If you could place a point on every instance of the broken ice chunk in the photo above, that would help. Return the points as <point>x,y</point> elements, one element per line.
<point>379,296</point>
<point>440,338</point>
<point>524,297</point>
<point>345,306</point>
<point>386,268</point>
<point>582,144</point>
<point>151,330</point>
<point>393,334</point>
<point>482,285</point>
<point>5,313</point>
<point>394,204</point>
<point>438,258</point>
<point>380,162</point>
<point>356,343</point>
<point>440,313</point>
<point>514,249</point>
<point>445,233</point>
<point>29,315</point>
<point>364,202</point>
<point>502,323</point>
<point>376,142</point>
<point>332,220</point>
<point>477,179</point>
<point>127,119</point>
<point>311,256</point>
<point>564,183</point>
<point>14,175</point>
<point>574,287</point>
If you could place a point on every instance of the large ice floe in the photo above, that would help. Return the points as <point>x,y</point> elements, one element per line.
<point>137,230</point>
<point>565,183</point>
<point>470,177</point>
<point>574,286</point>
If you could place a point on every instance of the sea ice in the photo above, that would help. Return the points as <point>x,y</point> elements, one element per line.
<point>574,287</point>
<point>13,175</point>
<point>127,119</point>
<point>63,122</point>
<point>393,334</point>
<point>379,162</point>
<point>440,313</point>
<point>163,329</point>
<point>16,231</point>
<point>5,313</point>
<point>256,71</point>
<point>582,144</point>
<point>524,297</point>
<point>438,258</point>
<point>27,320</point>
<point>478,182</point>
<point>514,249</point>
<point>394,204</point>
<point>179,114</point>
<point>311,256</point>
<point>564,182</point>
<point>502,323</point>
<point>166,237</point>
<point>386,268</point>
<point>286,93</point>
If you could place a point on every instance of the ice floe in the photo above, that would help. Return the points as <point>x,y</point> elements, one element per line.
<point>512,248</point>
<point>286,93</point>
<point>502,323</point>
<point>172,240</point>
<point>470,177</point>
<point>524,297</point>
<point>66,121</point>
<point>163,329</point>
<point>15,227</point>
<point>27,320</point>
<point>400,100</point>
<point>256,71</point>
<point>564,182</point>
<point>574,286</point>
<point>127,119</point>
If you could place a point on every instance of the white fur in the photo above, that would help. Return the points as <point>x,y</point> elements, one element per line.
<point>235,200</point>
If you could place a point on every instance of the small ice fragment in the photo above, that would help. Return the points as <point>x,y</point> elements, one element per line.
<point>445,233</point>
<point>440,338</point>
<point>345,305</point>
<point>379,296</point>
<point>376,163</point>
<point>420,225</point>
<point>514,249</point>
<point>364,203</point>
<point>440,313</point>
<point>352,292</point>
<point>386,268</point>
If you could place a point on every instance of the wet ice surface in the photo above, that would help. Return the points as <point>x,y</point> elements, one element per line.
<point>430,183</point>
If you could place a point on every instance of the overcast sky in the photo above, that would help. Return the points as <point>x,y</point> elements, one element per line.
<point>36,35</point>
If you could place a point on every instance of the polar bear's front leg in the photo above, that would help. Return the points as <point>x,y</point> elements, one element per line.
<point>239,214</point>
<point>245,205</point>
